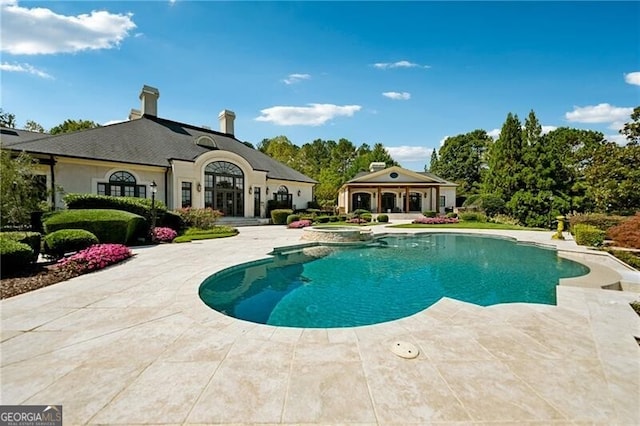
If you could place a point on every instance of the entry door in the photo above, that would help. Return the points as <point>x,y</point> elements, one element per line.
<point>388,202</point>
<point>256,202</point>
<point>224,202</point>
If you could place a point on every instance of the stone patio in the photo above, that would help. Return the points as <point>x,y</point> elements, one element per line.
<point>133,344</point>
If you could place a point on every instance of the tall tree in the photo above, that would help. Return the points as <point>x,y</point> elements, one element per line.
<point>281,149</point>
<point>7,119</point>
<point>33,126</point>
<point>69,126</point>
<point>342,157</point>
<point>461,159</point>
<point>433,162</point>
<point>632,129</point>
<point>17,185</point>
<point>505,160</point>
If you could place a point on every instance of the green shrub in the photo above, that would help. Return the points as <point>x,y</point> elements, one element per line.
<point>199,218</point>
<point>342,218</point>
<point>14,255</point>
<point>139,206</point>
<point>333,218</point>
<point>57,243</point>
<point>279,216</point>
<point>110,226</point>
<point>322,219</point>
<point>171,219</point>
<point>505,219</point>
<point>366,216</point>
<point>360,212</point>
<point>451,215</point>
<point>32,239</point>
<point>307,217</point>
<point>588,235</point>
<point>601,221</point>
<point>429,213</point>
<point>383,218</point>
<point>473,217</point>
<point>488,203</point>
<point>293,218</point>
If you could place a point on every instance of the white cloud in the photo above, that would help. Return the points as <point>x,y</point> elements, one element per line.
<point>601,113</point>
<point>399,64</point>
<point>617,138</point>
<point>311,115</point>
<point>443,140</point>
<point>398,96</point>
<point>30,69</point>
<point>409,153</point>
<point>37,30</point>
<point>296,78</point>
<point>547,129</point>
<point>495,133</point>
<point>633,78</point>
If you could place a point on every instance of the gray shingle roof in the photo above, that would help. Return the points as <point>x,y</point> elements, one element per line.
<point>437,179</point>
<point>10,137</point>
<point>150,141</point>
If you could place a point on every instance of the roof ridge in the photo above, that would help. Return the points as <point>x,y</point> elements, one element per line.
<point>190,126</point>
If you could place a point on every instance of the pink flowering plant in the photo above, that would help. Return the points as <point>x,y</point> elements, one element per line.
<point>300,224</point>
<point>435,220</point>
<point>96,257</point>
<point>163,235</point>
<point>357,220</point>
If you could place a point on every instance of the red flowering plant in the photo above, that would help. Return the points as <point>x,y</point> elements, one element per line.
<point>96,257</point>
<point>300,224</point>
<point>435,220</point>
<point>163,235</point>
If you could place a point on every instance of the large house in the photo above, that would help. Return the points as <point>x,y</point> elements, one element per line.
<point>189,165</point>
<point>394,189</point>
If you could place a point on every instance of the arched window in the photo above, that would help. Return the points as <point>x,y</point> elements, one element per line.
<point>224,188</point>
<point>122,184</point>
<point>283,190</point>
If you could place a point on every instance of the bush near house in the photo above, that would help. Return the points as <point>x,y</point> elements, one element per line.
<point>490,204</point>
<point>199,218</point>
<point>588,235</point>
<point>334,219</point>
<point>171,219</point>
<point>360,212</point>
<point>163,235</point>
<point>32,239</point>
<point>322,219</point>
<point>383,218</point>
<point>139,206</point>
<point>299,224</point>
<point>110,226</point>
<point>57,243</point>
<point>627,233</point>
<point>96,257</point>
<point>429,213</point>
<point>14,256</point>
<point>279,216</point>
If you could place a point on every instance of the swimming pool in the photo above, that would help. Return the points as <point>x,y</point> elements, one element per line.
<point>391,278</point>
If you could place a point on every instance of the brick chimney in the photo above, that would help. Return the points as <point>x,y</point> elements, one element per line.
<point>226,118</point>
<point>149,97</point>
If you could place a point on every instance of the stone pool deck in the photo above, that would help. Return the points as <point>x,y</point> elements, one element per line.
<point>133,344</point>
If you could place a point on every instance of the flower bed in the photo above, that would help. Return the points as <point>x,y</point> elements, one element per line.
<point>436,220</point>
<point>163,235</point>
<point>299,224</point>
<point>96,257</point>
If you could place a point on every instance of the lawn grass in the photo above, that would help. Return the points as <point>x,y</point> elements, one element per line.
<point>469,225</point>
<point>194,234</point>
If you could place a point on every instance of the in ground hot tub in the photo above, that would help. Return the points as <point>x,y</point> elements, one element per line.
<point>337,234</point>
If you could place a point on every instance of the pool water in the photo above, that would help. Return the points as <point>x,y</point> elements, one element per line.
<point>394,277</point>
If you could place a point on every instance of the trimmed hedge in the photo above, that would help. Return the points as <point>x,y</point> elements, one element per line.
<point>279,216</point>
<point>360,212</point>
<point>171,219</point>
<point>292,218</point>
<point>139,206</point>
<point>57,243</point>
<point>429,213</point>
<point>383,218</point>
<point>322,219</point>
<point>110,226</point>
<point>588,235</point>
<point>473,217</point>
<point>14,256</point>
<point>32,239</point>
<point>366,216</point>
<point>601,221</point>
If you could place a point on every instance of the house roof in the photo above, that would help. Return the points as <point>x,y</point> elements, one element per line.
<point>150,141</point>
<point>364,177</point>
<point>10,136</point>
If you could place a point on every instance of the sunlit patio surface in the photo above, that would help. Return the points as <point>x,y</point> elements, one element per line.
<point>133,344</point>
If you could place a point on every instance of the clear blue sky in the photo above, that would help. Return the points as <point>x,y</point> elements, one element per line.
<point>403,74</point>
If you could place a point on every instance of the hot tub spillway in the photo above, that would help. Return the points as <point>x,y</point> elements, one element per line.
<point>337,234</point>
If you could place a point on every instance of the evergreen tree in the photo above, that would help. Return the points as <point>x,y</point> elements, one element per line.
<point>505,160</point>
<point>433,162</point>
<point>461,159</point>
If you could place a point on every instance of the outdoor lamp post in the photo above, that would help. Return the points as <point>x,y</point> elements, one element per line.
<point>154,189</point>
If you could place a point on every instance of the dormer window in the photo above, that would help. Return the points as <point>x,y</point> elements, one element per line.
<point>206,142</point>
